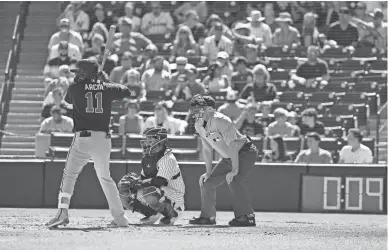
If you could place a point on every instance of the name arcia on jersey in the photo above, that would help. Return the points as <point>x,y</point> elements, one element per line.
<point>97,86</point>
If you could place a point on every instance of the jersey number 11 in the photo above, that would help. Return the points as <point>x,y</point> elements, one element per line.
<point>90,103</point>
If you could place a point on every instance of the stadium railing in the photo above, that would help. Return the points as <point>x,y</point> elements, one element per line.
<point>380,126</point>
<point>12,61</point>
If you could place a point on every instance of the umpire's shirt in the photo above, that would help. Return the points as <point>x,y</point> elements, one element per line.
<point>92,103</point>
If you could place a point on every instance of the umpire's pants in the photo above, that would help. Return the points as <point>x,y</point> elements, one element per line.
<point>241,200</point>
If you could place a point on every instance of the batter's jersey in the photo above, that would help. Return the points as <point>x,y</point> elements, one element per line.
<point>92,103</point>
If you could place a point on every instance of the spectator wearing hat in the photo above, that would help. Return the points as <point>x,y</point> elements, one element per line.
<point>72,51</point>
<point>314,154</point>
<point>131,122</point>
<point>308,72</point>
<point>56,123</point>
<point>216,43</point>
<point>162,118</point>
<point>374,34</point>
<point>362,19</point>
<point>242,37</point>
<point>156,79</point>
<point>260,89</point>
<point>242,76</point>
<point>197,28</point>
<point>216,81</point>
<point>185,90</point>
<point>184,43</point>
<point>126,64</point>
<point>310,33</point>
<point>269,15</point>
<point>157,22</point>
<point>150,52</point>
<point>199,7</point>
<point>310,122</point>
<point>96,44</point>
<point>226,65</point>
<point>66,34</point>
<point>215,20</point>
<point>372,5</point>
<point>130,41</point>
<point>52,67</point>
<point>100,16</point>
<point>78,19</point>
<point>355,152</point>
<point>281,126</point>
<point>259,29</point>
<point>131,79</point>
<point>247,122</point>
<point>286,35</point>
<point>231,108</point>
<point>61,82</point>
<point>110,64</point>
<point>343,32</point>
<point>58,101</point>
<point>136,21</point>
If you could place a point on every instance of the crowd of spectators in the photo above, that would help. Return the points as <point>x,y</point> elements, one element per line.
<point>230,50</point>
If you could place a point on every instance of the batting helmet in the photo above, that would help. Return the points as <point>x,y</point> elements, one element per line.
<point>86,68</point>
<point>154,137</point>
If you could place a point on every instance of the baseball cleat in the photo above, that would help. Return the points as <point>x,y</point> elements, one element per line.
<point>149,220</point>
<point>62,219</point>
<point>113,224</point>
<point>203,221</point>
<point>243,221</point>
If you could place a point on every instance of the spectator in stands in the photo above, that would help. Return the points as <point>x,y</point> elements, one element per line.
<point>98,28</point>
<point>156,79</point>
<point>136,21</point>
<point>131,122</point>
<point>278,151</point>
<point>260,89</point>
<point>79,20</point>
<point>269,15</point>
<point>57,95</point>
<point>314,154</point>
<point>242,76</point>
<point>265,117</point>
<point>99,16</point>
<point>214,20</point>
<point>128,40</point>
<point>197,28</point>
<point>162,118</point>
<point>310,33</point>
<point>355,152</point>
<point>126,64</point>
<point>56,123</point>
<point>52,67</point>
<point>66,34</point>
<point>280,126</point>
<point>61,82</point>
<point>109,63</point>
<point>231,108</point>
<point>157,22</point>
<point>215,81</point>
<point>180,74</point>
<point>293,119</point>
<point>372,5</point>
<point>199,7</point>
<point>247,122</point>
<point>361,13</point>
<point>333,12</point>
<point>286,35</point>
<point>242,37</point>
<point>216,43</point>
<point>374,34</point>
<point>131,79</point>
<point>308,72</point>
<point>150,52</point>
<point>97,42</point>
<point>226,65</point>
<point>259,29</point>
<point>184,43</point>
<point>310,123</point>
<point>187,89</point>
<point>252,52</point>
<point>71,50</point>
<point>343,32</point>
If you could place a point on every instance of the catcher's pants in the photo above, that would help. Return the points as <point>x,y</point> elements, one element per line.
<point>93,145</point>
<point>241,200</point>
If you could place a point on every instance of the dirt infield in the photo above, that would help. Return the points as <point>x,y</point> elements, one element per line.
<point>24,229</point>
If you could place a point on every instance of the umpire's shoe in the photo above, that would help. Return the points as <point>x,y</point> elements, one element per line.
<point>243,221</point>
<point>203,221</point>
<point>62,218</point>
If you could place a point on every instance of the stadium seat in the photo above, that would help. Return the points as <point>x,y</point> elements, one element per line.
<point>320,97</point>
<point>359,110</point>
<point>380,78</point>
<point>291,97</point>
<point>118,108</point>
<point>364,86</point>
<point>299,52</point>
<point>280,75</point>
<point>278,52</point>
<point>147,106</point>
<point>284,63</point>
<point>344,121</point>
<point>335,53</point>
<point>181,107</point>
<point>155,95</point>
<point>218,96</point>
<point>372,99</point>
<point>379,65</point>
<point>364,52</point>
<point>289,106</point>
<point>352,65</point>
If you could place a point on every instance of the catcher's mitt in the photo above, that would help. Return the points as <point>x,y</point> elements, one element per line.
<point>127,183</point>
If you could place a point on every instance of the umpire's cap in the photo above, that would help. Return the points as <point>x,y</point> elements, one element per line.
<point>90,67</point>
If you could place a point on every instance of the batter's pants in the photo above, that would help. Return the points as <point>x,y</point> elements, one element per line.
<point>93,145</point>
<point>241,199</point>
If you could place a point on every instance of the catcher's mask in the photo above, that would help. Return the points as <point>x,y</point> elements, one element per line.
<point>154,141</point>
<point>85,69</point>
<point>199,104</point>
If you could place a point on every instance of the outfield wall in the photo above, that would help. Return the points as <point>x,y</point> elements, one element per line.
<point>274,187</point>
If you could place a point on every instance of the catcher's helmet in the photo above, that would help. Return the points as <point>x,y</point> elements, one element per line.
<point>86,68</point>
<point>198,105</point>
<point>154,137</point>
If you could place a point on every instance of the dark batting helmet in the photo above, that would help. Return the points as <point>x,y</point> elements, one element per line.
<point>86,68</point>
<point>155,140</point>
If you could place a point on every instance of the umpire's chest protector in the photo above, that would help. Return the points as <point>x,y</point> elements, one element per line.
<point>149,164</point>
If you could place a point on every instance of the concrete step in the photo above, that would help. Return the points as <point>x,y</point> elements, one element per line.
<point>17,151</point>
<point>27,97</point>
<point>13,139</point>
<point>32,91</point>
<point>26,115</point>
<point>20,145</point>
<point>36,110</point>
<point>22,104</point>
<point>25,129</point>
<point>23,120</point>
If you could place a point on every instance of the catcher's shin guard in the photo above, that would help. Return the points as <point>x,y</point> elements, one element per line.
<point>139,207</point>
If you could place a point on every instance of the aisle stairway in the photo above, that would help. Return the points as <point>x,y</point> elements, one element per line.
<point>27,95</point>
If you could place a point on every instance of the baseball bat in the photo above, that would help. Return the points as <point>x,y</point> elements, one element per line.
<point>108,46</point>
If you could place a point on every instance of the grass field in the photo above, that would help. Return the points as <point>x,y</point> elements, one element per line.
<point>24,229</point>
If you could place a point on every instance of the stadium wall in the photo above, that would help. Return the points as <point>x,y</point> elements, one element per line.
<point>273,187</point>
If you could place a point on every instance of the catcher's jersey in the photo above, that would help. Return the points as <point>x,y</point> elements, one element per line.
<point>167,167</point>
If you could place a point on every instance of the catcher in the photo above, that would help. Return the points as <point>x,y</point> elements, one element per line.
<point>159,190</point>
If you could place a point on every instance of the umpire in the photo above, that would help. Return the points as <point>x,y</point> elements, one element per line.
<point>238,152</point>
<point>91,96</point>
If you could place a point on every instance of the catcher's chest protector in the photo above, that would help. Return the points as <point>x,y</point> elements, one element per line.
<point>149,164</point>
